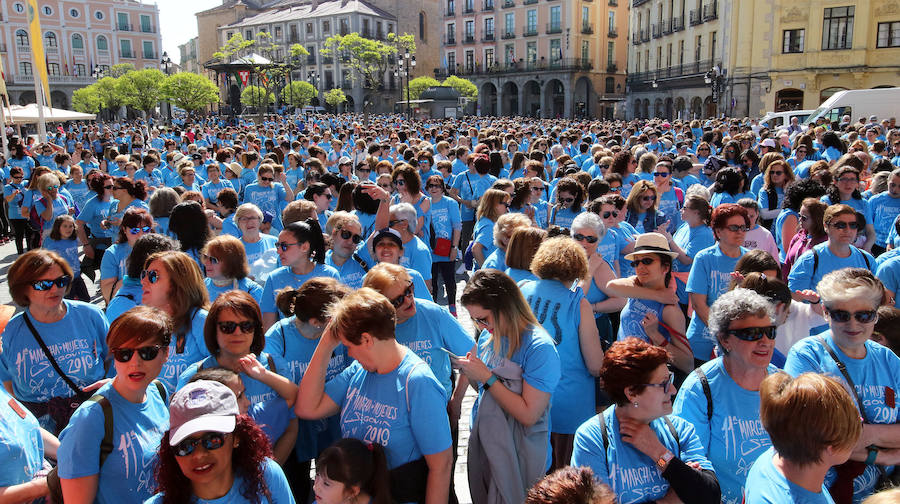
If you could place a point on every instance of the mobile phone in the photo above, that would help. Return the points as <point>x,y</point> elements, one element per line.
<point>451,354</point>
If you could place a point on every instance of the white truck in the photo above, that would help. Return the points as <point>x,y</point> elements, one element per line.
<point>883,103</point>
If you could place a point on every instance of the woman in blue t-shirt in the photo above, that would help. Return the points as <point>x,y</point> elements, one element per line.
<point>492,205</point>
<point>135,222</point>
<point>724,392</point>
<point>518,368</point>
<point>387,396</point>
<point>777,177</point>
<point>635,446</point>
<point>212,453</point>
<point>569,198</point>
<point>586,230</point>
<point>136,402</point>
<point>567,317</point>
<point>642,208</point>
<point>226,267</point>
<point>844,189</point>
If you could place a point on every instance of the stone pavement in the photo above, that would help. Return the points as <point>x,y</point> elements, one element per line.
<point>8,255</point>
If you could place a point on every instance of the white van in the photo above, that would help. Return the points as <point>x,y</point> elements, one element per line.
<point>883,103</point>
<point>774,120</point>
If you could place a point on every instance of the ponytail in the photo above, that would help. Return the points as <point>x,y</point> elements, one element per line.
<point>379,485</point>
<point>309,231</point>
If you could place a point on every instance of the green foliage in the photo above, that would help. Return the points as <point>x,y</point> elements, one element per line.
<point>419,84</point>
<point>298,93</point>
<point>121,69</point>
<point>189,91</point>
<point>366,57</point>
<point>236,45</point>
<point>464,86</point>
<point>298,51</point>
<point>109,93</point>
<point>140,89</point>
<point>403,43</point>
<point>256,96</point>
<point>86,100</point>
<point>335,97</point>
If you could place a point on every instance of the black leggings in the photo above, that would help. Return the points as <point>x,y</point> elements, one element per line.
<point>446,270</point>
<point>21,230</point>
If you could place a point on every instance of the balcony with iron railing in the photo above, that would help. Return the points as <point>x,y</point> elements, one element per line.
<point>636,38</point>
<point>645,35</point>
<point>487,5</point>
<point>530,31</point>
<point>695,16</point>
<point>468,38</point>
<point>636,3</point>
<point>327,60</point>
<point>126,54</point>
<point>611,32</point>
<point>613,3</point>
<point>678,24</point>
<point>611,67</point>
<point>450,12</point>
<point>693,69</point>
<point>148,28</point>
<point>666,26</point>
<point>150,55</point>
<point>560,65</point>
<point>529,2</point>
<point>508,35</point>
<point>55,79</point>
<point>124,27</point>
<point>311,59</point>
<point>449,40</point>
<point>711,11</point>
<point>587,28</point>
<point>656,31</point>
<point>2,47</point>
<point>487,37</point>
<point>469,8</point>
<point>553,28</point>
<point>508,4</point>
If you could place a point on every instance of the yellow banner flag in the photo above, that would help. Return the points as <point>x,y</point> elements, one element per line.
<point>39,60</point>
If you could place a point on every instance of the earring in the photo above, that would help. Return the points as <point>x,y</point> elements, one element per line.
<point>635,404</point>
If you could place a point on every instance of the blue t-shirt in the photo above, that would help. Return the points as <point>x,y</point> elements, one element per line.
<point>256,250</point>
<point>269,410</point>
<point>735,436</point>
<point>471,186</point>
<point>285,340</point>
<point>127,297</point>
<point>268,199</point>
<point>445,219</point>
<point>710,275</point>
<point>114,260</point>
<point>497,260</point>
<point>94,212</point>
<point>284,277</point>
<point>60,207</point>
<point>77,342</point>
<point>671,207</point>
<point>153,179</point>
<point>806,275</point>
<point>860,205</point>
<point>417,256</point>
<point>632,315</point>
<point>244,284</point>
<point>558,310</point>
<point>275,480</point>
<point>67,249</point>
<point>876,378</point>
<point>767,485</point>
<point>691,240</point>
<point>351,272</point>
<point>564,217</point>
<point>430,329</point>
<point>612,243</point>
<point>484,234</point>
<point>632,475</point>
<point>881,212</point>
<point>723,197</point>
<point>20,436</point>
<point>211,191</point>
<point>80,192</point>
<point>776,232</point>
<point>194,351</point>
<point>127,472</point>
<point>405,410</point>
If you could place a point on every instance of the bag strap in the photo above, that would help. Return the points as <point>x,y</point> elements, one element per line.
<point>75,388</point>
<point>674,433</point>
<point>704,382</point>
<point>106,444</point>
<point>843,369</point>
<point>271,363</point>
<point>362,262</point>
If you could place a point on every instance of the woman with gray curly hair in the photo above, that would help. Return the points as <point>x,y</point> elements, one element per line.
<point>730,430</point>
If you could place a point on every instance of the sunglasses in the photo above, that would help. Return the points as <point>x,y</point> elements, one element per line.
<point>848,179</point>
<point>285,245</point>
<point>210,441</point>
<point>581,237</point>
<point>777,173</point>
<point>433,186</point>
<point>660,174</point>
<point>400,182</point>
<point>480,321</point>
<point>209,258</point>
<point>152,276</point>
<point>329,196</point>
<point>424,163</point>
<point>43,285</point>
<point>397,301</point>
<point>108,187</point>
<point>607,215</point>
<point>841,225</point>
<point>247,326</point>
<point>566,200</point>
<point>394,222</point>
<point>649,198</point>
<point>843,316</point>
<point>703,149</point>
<point>347,235</point>
<point>752,333</point>
<point>615,189</point>
<point>736,228</point>
<point>147,353</point>
<point>52,188</point>
<point>663,385</point>
<point>537,189</point>
<point>266,179</point>
<point>139,230</point>
<point>646,261</point>
<point>19,177</point>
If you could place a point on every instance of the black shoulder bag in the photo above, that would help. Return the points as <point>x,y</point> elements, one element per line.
<point>59,408</point>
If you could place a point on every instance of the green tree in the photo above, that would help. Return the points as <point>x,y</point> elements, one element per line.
<point>366,58</point>
<point>464,86</point>
<point>86,100</point>
<point>121,69</point>
<point>141,88</point>
<point>189,91</point>
<point>256,96</point>
<point>419,84</point>
<point>109,92</point>
<point>298,94</point>
<point>335,97</point>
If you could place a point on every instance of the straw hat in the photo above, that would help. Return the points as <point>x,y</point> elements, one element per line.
<point>651,243</point>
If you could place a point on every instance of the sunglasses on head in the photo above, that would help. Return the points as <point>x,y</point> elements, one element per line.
<point>152,276</point>
<point>397,301</point>
<point>285,245</point>
<point>229,327</point>
<point>139,230</point>
<point>844,225</point>
<point>646,261</point>
<point>61,282</point>
<point>752,333</point>
<point>347,235</point>
<point>581,237</point>
<point>210,441</point>
<point>211,259</point>
<point>843,316</point>
<point>147,353</point>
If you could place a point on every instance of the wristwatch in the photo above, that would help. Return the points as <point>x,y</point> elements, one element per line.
<point>663,461</point>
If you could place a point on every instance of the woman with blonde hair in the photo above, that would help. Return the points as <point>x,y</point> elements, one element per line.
<point>173,283</point>
<point>567,316</point>
<point>777,176</point>
<point>492,205</point>
<point>504,227</point>
<point>642,207</point>
<point>522,246</point>
<point>226,267</point>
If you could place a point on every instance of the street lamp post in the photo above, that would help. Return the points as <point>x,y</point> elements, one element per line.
<point>715,79</point>
<point>404,68</point>
<point>166,63</point>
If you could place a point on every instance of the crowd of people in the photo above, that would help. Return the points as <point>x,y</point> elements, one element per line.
<point>663,311</point>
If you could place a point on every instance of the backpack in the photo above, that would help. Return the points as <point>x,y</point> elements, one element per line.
<point>605,434</point>
<point>816,259</point>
